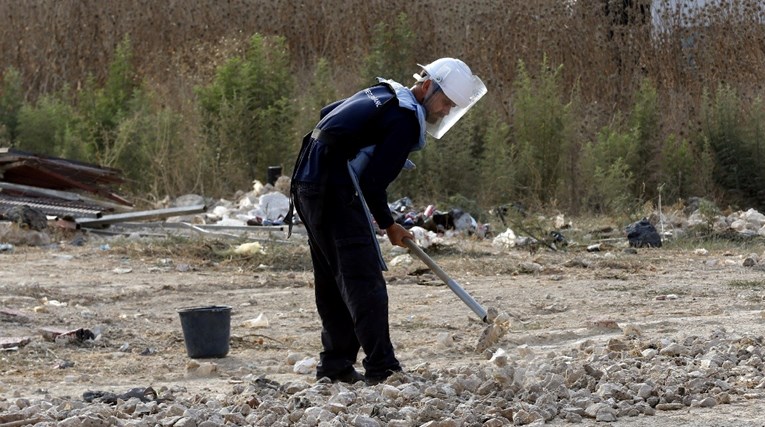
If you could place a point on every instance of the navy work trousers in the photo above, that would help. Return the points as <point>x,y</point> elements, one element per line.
<point>351,295</point>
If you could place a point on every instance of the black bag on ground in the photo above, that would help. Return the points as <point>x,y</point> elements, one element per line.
<point>643,234</point>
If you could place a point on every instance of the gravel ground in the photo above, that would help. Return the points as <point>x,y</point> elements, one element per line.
<point>658,337</point>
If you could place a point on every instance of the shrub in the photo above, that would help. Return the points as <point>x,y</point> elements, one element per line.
<point>541,119</point>
<point>498,166</point>
<point>151,153</point>
<point>11,100</point>
<point>644,123</point>
<point>102,108</point>
<point>392,53</point>
<point>247,114</point>
<point>606,174</point>
<point>679,170</point>
<point>322,91</point>
<point>44,127</point>
<point>736,141</point>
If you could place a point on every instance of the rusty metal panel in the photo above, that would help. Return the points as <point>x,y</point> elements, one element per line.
<point>32,170</point>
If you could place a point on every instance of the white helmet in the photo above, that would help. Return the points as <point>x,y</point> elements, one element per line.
<point>458,83</point>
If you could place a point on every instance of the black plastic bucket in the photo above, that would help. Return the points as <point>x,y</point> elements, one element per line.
<point>206,330</point>
<point>274,172</point>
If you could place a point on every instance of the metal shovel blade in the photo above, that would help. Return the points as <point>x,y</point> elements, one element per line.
<point>454,286</point>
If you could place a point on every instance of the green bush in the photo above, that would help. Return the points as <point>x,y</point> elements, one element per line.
<point>540,129</point>
<point>45,126</point>
<point>151,153</point>
<point>498,183</point>
<point>248,115</point>
<point>391,56</point>
<point>11,101</point>
<point>606,175</point>
<point>644,123</point>
<point>679,169</point>
<point>322,91</point>
<point>735,138</point>
<point>100,109</point>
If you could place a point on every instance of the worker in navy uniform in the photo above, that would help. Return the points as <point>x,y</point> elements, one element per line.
<point>339,184</point>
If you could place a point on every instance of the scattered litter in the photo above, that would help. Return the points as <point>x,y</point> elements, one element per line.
<point>666,297</point>
<point>6,247</point>
<point>67,336</point>
<point>259,322</point>
<point>404,259</point>
<point>643,234</point>
<point>251,248</point>
<point>64,364</point>
<point>506,239</point>
<point>13,343</point>
<point>424,238</point>
<point>305,366</point>
<point>122,270</point>
<point>54,303</point>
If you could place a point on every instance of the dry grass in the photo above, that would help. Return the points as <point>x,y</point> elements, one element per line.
<point>605,49</point>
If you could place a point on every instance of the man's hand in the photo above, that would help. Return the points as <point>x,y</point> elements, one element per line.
<point>396,234</point>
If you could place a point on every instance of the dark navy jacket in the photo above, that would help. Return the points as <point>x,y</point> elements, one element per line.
<point>347,126</point>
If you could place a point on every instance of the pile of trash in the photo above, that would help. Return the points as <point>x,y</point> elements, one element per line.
<point>268,204</point>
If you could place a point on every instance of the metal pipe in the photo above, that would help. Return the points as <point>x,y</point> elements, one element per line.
<point>453,285</point>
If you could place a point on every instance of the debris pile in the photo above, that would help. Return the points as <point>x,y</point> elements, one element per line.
<point>36,189</point>
<point>55,186</point>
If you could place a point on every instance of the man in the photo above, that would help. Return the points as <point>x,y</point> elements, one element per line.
<point>341,175</point>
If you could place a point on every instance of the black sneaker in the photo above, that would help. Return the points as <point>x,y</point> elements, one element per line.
<point>351,377</point>
<point>374,380</point>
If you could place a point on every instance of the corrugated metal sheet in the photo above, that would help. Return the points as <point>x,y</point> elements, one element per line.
<point>53,207</point>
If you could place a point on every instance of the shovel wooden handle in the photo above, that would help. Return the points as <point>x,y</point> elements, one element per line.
<point>453,285</point>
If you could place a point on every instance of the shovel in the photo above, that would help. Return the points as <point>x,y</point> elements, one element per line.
<point>454,286</point>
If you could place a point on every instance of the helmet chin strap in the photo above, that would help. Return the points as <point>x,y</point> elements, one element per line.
<point>432,90</point>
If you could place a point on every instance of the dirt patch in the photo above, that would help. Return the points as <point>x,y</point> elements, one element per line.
<point>556,301</point>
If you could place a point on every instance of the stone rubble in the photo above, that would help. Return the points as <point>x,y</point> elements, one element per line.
<point>628,376</point>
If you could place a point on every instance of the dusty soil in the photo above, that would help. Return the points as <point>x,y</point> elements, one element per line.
<point>129,294</point>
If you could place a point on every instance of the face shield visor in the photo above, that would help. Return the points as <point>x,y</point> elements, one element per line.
<point>456,81</point>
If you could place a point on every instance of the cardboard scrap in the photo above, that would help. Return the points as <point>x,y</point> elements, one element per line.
<point>56,334</point>
<point>11,343</point>
<point>11,315</point>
